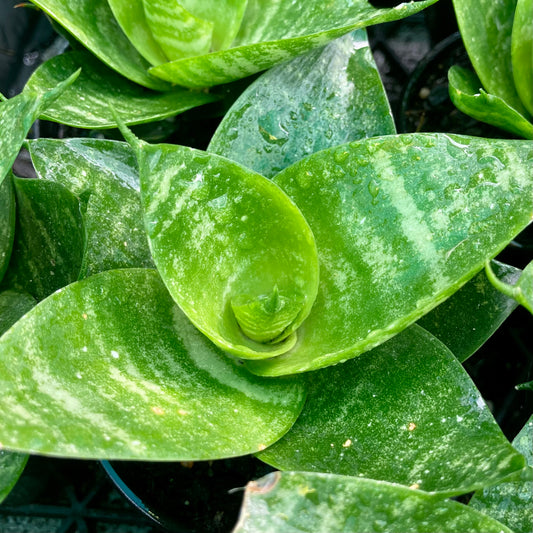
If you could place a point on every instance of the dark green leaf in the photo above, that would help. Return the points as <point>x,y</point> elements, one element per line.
<point>109,367</point>
<point>13,305</point>
<point>468,96</point>
<point>7,223</point>
<point>303,502</point>
<point>522,52</point>
<point>407,413</point>
<point>327,97</point>
<point>11,467</point>
<point>469,317</point>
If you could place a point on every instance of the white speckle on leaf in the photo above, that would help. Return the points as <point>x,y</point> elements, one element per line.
<point>115,354</point>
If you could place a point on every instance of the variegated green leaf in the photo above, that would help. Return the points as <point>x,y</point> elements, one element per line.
<point>85,104</point>
<point>7,223</point>
<point>11,468</point>
<point>109,367</point>
<point>522,292</point>
<point>50,238</point>
<point>234,251</point>
<point>92,23</point>
<point>470,316</point>
<point>103,174</point>
<point>522,52</point>
<point>469,97</point>
<point>132,19</point>
<point>327,97</point>
<point>401,223</point>
<point>304,502</point>
<point>275,31</point>
<point>486,28</point>
<point>511,503</point>
<point>407,413</point>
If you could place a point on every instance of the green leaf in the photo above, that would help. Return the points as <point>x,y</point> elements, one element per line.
<point>85,104</point>
<point>234,251</point>
<point>304,502</point>
<point>92,23</point>
<point>49,238</point>
<point>400,223</point>
<point>522,292</point>
<point>7,223</point>
<point>468,96</point>
<point>486,28</point>
<point>470,316</point>
<point>327,97</point>
<point>131,17</point>
<point>522,52</point>
<point>511,503</point>
<point>103,174</point>
<point>11,467</point>
<point>179,33</point>
<point>275,31</point>
<point>407,413</point>
<point>17,116</point>
<point>109,367</point>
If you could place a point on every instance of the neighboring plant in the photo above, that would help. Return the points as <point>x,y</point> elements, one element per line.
<point>498,36</point>
<point>175,283</point>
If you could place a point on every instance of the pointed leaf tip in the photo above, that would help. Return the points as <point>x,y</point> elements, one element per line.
<point>128,135</point>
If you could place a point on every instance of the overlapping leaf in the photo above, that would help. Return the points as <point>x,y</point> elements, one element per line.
<point>7,223</point>
<point>522,52</point>
<point>304,502</point>
<point>522,291</point>
<point>407,413</point>
<point>109,367</point>
<point>327,97</point>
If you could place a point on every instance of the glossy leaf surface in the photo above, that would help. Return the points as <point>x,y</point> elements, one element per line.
<point>522,291</point>
<point>327,97</point>
<point>470,316</point>
<point>276,31</point>
<point>486,28</point>
<point>522,52</point>
<point>85,104</point>
<point>7,223</point>
<point>407,413</point>
<point>468,96</point>
<point>234,251</point>
<point>110,368</point>
<point>511,503</point>
<point>401,223</point>
<point>92,23</point>
<point>304,502</point>
<point>103,174</point>
<point>50,238</point>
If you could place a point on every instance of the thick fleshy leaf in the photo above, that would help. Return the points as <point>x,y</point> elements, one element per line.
<point>132,19</point>
<point>327,97</point>
<point>486,28</point>
<point>401,223</point>
<point>17,116</point>
<point>85,104</point>
<point>103,174</point>
<point>177,31</point>
<point>7,223</point>
<point>92,23</point>
<point>407,413</point>
<point>522,292</point>
<point>50,238</point>
<point>275,31</point>
<point>511,503</point>
<point>234,251</point>
<point>470,316</point>
<point>109,367</point>
<point>468,96</point>
<point>522,52</point>
<point>304,502</point>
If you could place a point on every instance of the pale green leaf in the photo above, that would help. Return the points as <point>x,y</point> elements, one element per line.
<point>470,316</point>
<point>7,223</point>
<point>86,103</point>
<point>304,502</point>
<point>103,174</point>
<point>109,367</point>
<point>327,97</point>
<point>468,96</point>
<point>407,413</point>
<point>522,52</point>
<point>511,503</point>
<point>401,223</point>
